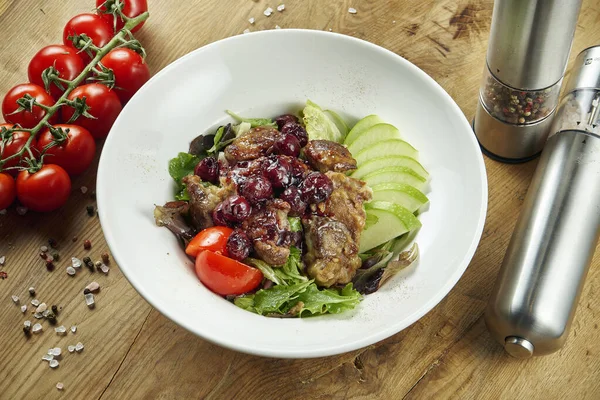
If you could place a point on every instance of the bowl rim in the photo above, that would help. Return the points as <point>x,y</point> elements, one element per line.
<point>393,327</point>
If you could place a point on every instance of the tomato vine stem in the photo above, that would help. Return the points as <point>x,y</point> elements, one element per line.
<point>115,42</point>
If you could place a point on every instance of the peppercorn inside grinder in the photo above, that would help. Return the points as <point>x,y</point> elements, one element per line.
<point>537,290</point>
<point>528,50</point>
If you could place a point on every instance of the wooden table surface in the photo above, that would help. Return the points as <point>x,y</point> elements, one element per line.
<point>132,351</point>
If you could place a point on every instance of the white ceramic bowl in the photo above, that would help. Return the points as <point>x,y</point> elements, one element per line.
<point>265,74</point>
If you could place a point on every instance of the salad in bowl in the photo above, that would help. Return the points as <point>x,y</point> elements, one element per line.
<point>297,215</point>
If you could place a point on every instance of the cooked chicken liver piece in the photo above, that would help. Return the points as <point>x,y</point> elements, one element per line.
<point>204,199</point>
<point>257,142</point>
<point>326,155</point>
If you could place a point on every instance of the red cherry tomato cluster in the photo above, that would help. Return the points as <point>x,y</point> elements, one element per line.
<point>215,269</point>
<point>38,175</point>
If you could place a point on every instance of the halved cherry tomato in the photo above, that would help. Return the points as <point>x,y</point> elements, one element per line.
<point>15,143</point>
<point>129,8</point>
<point>74,153</point>
<point>104,105</point>
<point>26,118</point>
<point>129,69</point>
<point>8,190</point>
<point>91,25</point>
<point>213,239</point>
<point>226,276</point>
<point>64,59</point>
<point>45,190</point>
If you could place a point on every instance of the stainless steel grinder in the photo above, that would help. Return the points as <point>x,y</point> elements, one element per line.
<point>528,51</point>
<point>536,293</point>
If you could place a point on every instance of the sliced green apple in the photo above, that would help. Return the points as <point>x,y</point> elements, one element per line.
<point>362,126</point>
<point>392,221</point>
<point>402,194</point>
<point>374,134</point>
<point>391,161</point>
<point>386,148</point>
<point>395,175</point>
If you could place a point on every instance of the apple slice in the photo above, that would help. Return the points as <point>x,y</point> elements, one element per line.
<point>402,194</point>
<point>388,220</point>
<point>395,175</point>
<point>391,161</point>
<point>386,148</point>
<point>374,134</point>
<point>362,126</point>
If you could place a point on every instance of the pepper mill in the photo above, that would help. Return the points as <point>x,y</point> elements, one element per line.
<point>528,51</point>
<point>534,300</point>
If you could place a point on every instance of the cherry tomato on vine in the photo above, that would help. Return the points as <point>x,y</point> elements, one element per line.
<point>27,119</point>
<point>213,239</point>
<point>8,190</point>
<point>129,8</point>
<point>226,276</point>
<point>64,59</point>
<point>129,69</point>
<point>44,190</point>
<point>74,149</point>
<point>14,143</point>
<point>104,106</point>
<point>92,25</point>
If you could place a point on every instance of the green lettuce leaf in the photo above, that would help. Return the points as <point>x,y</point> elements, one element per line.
<point>254,122</point>
<point>295,224</point>
<point>319,125</point>
<point>179,167</point>
<point>323,301</point>
<point>288,274</point>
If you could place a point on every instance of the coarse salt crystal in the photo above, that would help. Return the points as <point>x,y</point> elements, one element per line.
<point>47,357</point>
<point>73,329</point>
<point>23,308</point>
<point>61,330</point>
<point>56,351</point>
<point>21,210</point>
<point>246,31</point>
<point>2,260</point>
<point>75,262</point>
<point>79,347</point>
<point>281,7</point>
<point>41,308</point>
<point>104,268</point>
<point>37,315</point>
<point>60,386</point>
<point>83,189</point>
<point>89,300</point>
<point>53,364</point>
<point>27,324</point>
<point>46,313</point>
<point>44,249</point>
<point>277,27</point>
<point>71,271</point>
<point>251,20</point>
<point>93,287</point>
<point>36,328</point>
<point>15,299</point>
<point>394,21</point>
<point>35,302</point>
<point>352,10</point>
<point>71,348</point>
<point>268,12</point>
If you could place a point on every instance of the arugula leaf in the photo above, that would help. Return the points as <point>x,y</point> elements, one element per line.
<point>331,301</point>
<point>295,224</point>
<point>266,269</point>
<point>254,122</point>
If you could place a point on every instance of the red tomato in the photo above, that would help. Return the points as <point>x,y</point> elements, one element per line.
<point>8,190</point>
<point>12,146</point>
<point>130,71</point>
<point>226,276</point>
<point>130,8</point>
<point>45,190</point>
<point>76,151</point>
<point>68,64</point>
<point>213,239</point>
<point>92,25</point>
<point>25,118</point>
<point>104,106</point>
